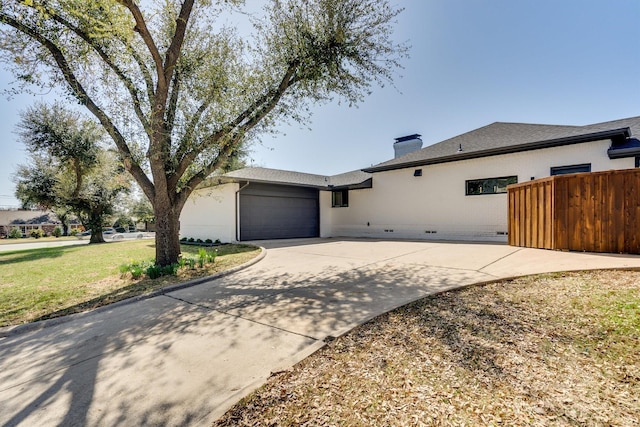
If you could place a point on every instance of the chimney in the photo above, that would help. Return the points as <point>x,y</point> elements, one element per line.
<point>407,144</point>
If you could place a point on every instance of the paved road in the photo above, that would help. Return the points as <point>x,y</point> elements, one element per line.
<point>37,245</point>
<point>83,241</point>
<point>184,357</point>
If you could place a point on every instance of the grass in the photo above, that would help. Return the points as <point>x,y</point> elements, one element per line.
<point>38,284</point>
<point>561,349</point>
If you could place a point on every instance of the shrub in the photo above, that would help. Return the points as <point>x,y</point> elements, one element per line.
<point>209,241</point>
<point>136,272</point>
<point>15,233</point>
<point>184,239</point>
<point>154,271</point>
<point>218,241</point>
<point>169,270</point>
<point>36,233</point>
<point>191,240</point>
<point>211,256</point>
<point>136,269</point>
<point>74,232</point>
<point>199,241</point>
<point>57,232</point>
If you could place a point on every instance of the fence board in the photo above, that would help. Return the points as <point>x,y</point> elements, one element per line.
<point>595,212</point>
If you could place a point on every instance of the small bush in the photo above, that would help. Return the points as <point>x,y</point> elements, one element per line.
<point>15,233</point>
<point>199,241</point>
<point>209,241</point>
<point>182,261</point>
<point>191,240</point>
<point>184,239</point>
<point>136,272</point>
<point>218,241</point>
<point>169,270</point>
<point>136,269</point>
<point>57,232</point>
<point>36,233</point>
<point>74,232</point>
<point>191,262</point>
<point>154,271</point>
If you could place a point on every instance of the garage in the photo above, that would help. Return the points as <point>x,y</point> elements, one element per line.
<point>268,211</point>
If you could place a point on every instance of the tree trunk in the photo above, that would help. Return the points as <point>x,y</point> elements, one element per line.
<point>94,223</point>
<point>96,236</point>
<point>167,233</point>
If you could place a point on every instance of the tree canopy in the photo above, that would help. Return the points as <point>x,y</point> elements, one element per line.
<point>180,90</point>
<point>69,170</point>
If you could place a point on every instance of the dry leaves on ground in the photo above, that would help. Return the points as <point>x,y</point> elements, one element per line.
<point>557,349</point>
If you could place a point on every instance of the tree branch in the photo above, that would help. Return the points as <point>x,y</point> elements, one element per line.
<point>242,124</point>
<point>76,87</point>
<point>128,83</point>
<point>173,103</point>
<point>173,52</point>
<point>145,72</point>
<point>141,28</point>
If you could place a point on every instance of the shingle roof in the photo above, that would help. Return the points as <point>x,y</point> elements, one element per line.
<point>20,217</point>
<point>277,176</point>
<point>500,138</point>
<point>493,139</point>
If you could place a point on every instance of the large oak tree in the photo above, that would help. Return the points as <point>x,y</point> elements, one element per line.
<point>179,89</point>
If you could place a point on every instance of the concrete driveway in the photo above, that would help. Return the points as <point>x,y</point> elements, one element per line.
<point>185,357</point>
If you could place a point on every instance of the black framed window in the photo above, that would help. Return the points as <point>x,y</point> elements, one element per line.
<point>563,170</point>
<point>638,161</point>
<point>475,187</point>
<point>340,198</point>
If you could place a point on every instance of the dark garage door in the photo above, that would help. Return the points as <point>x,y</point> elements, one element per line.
<point>278,212</point>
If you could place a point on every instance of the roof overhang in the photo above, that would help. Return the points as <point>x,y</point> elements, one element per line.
<point>628,148</point>
<point>221,180</point>
<point>368,183</point>
<point>613,134</point>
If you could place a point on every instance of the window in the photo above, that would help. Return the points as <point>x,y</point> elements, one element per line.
<point>638,161</point>
<point>417,172</point>
<point>340,198</point>
<point>563,170</point>
<point>489,185</point>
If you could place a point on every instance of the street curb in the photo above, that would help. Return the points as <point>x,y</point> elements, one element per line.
<point>10,331</point>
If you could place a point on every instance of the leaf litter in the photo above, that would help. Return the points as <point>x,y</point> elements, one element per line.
<point>558,349</point>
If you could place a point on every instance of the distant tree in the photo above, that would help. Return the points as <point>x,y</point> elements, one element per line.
<point>68,170</point>
<point>179,91</point>
<point>64,214</point>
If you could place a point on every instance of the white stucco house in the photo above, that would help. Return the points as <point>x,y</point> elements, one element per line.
<point>453,190</point>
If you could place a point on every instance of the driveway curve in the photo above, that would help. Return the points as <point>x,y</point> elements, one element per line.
<point>185,357</point>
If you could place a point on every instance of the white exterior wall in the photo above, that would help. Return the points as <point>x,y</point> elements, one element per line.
<point>410,206</point>
<point>210,214</point>
<point>326,214</point>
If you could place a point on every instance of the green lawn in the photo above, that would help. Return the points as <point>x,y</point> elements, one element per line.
<point>37,284</point>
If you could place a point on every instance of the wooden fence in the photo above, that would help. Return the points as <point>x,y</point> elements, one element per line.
<point>594,212</point>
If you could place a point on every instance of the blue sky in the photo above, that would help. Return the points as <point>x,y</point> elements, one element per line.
<point>473,62</point>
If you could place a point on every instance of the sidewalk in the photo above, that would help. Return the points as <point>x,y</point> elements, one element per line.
<point>185,357</point>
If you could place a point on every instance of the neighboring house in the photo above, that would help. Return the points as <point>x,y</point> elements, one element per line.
<point>27,220</point>
<point>455,189</point>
